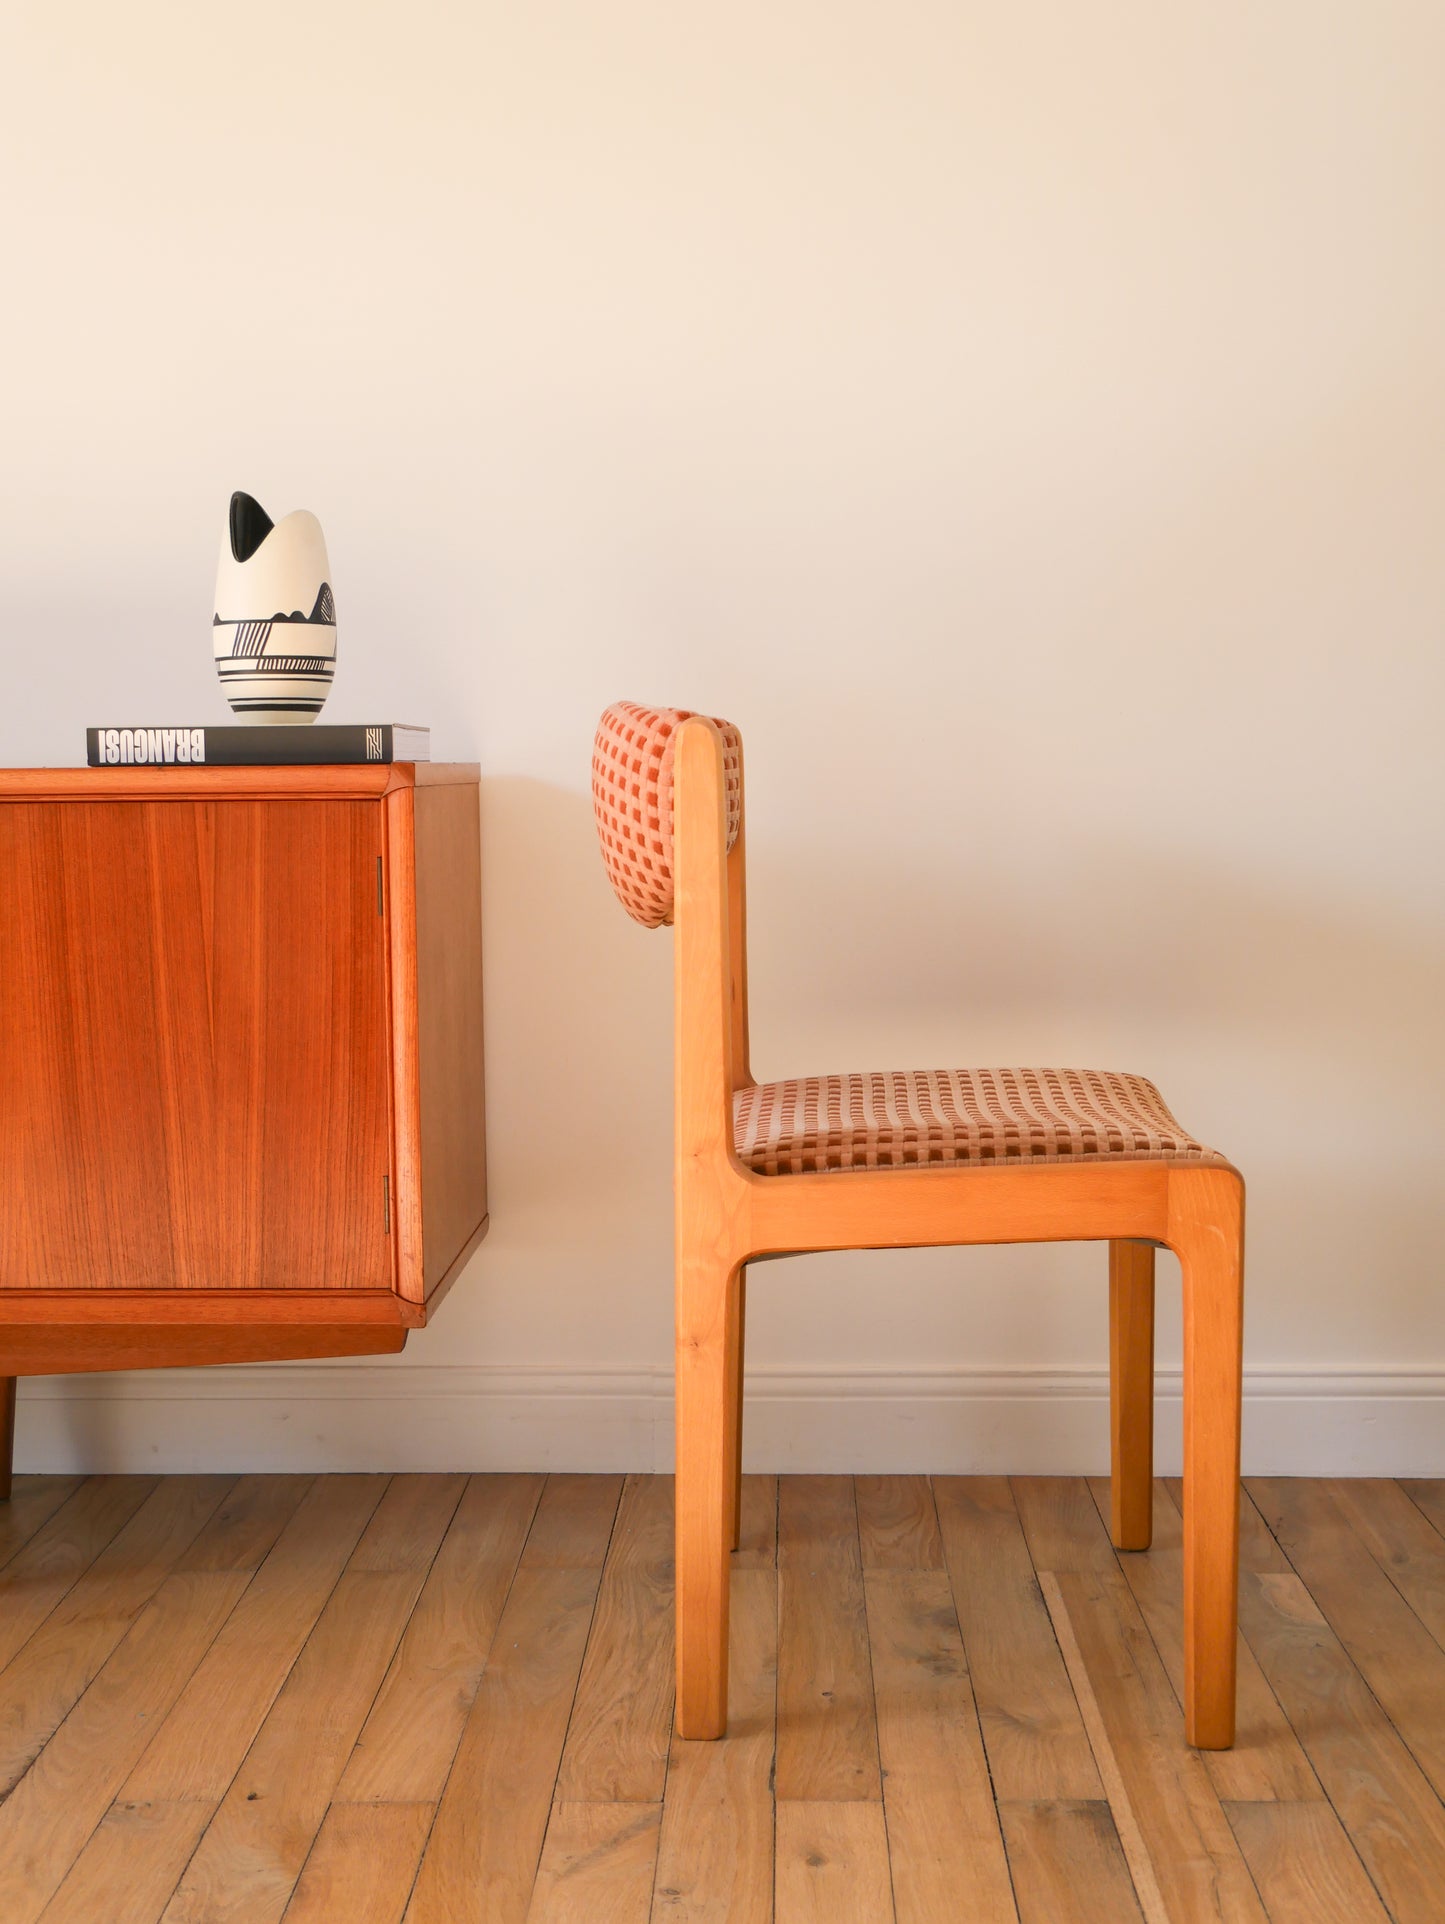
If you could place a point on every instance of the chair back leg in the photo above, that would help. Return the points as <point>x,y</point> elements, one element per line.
<point>1131,1394</point>
<point>1206,1228</point>
<point>735,1531</point>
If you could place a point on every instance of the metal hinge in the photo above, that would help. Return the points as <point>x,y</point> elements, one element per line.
<point>386,1204</point>
<point>380,909</point>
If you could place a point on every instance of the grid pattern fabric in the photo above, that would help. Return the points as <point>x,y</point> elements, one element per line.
<point>632,759</point>
<point>909,1117</point>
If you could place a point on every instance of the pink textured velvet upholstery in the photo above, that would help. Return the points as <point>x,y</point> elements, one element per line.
<point>632,801</point>
<point>904,1117</point>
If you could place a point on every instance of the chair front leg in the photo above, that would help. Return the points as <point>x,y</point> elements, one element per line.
<point>1206,1214</point>
<point>1131,1394</point>
<point>708,1316</point>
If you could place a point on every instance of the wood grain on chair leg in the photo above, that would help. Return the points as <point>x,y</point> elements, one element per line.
<point>1131,1394</point>
<point>1206,1229</point>
<point>739,1363</point>
<point>7,1434</point>
<point>708,1299</point>
<point>710,1195</point>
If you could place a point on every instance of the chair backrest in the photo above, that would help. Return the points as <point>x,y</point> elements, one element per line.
<point>632,764</point>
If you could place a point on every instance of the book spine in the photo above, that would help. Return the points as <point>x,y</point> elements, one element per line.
<point>236,747</point>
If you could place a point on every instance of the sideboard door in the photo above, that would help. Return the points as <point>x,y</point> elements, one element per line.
<point>193,1046</point>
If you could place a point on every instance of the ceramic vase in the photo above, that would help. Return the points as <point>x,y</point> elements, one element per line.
<point>274,630</point>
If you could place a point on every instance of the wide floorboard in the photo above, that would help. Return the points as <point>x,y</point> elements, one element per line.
<point>447,1699</point>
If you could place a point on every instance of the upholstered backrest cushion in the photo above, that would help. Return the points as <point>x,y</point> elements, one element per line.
<point>632,800</point>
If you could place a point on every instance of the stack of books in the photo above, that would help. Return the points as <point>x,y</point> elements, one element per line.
<point>256,746</point>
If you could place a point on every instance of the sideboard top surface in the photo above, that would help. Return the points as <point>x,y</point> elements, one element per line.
<point>329,780</point>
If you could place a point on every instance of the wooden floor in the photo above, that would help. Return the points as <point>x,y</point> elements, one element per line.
<point>366,1699</point>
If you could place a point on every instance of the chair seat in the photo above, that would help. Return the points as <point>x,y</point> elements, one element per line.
<point>907,1117</point>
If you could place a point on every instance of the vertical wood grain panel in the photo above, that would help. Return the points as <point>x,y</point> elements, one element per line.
<point>194,1034</point>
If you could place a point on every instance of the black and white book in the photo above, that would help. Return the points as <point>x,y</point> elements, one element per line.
<point>256,746</point>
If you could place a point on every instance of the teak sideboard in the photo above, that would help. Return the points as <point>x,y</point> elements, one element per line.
<point>241,1110</point>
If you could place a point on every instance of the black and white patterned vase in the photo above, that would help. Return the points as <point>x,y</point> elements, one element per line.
<point>275,624</point>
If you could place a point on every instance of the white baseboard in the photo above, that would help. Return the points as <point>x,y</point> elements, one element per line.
<point>405,1416</point>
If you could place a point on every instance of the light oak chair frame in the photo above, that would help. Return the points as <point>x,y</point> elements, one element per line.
<point>728,1216</point>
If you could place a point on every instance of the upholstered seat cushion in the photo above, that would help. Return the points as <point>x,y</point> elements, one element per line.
<point>904,1117</point>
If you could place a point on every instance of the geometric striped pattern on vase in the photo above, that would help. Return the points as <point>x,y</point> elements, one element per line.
<point>274,630</point>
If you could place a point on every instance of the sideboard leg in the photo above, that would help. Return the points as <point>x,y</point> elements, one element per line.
<point>7,1434</point>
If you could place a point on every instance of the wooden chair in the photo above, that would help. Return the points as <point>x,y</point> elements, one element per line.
<point>902,1161</point>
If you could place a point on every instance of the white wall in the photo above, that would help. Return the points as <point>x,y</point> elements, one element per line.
<point>1027,422</point>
